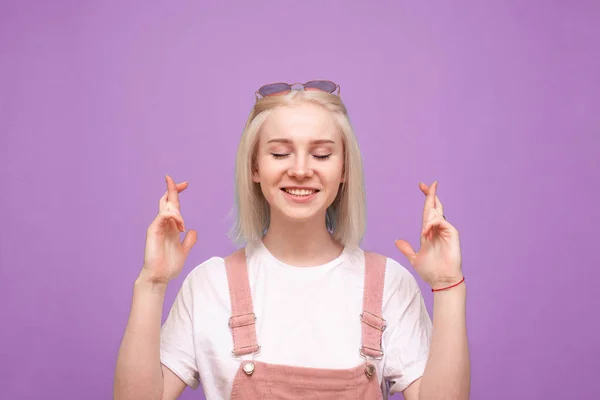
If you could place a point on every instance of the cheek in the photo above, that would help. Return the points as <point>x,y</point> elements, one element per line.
<point>332,176</point>
<point>337,172</point>
<point>268,169</point>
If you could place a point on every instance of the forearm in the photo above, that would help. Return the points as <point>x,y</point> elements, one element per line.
<point>138,372</point>
<point>447,373</point>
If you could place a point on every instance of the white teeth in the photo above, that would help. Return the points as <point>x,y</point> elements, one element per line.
<point>300,192</point>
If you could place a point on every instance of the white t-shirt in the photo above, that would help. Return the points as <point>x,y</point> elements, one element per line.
<point>306,317</point>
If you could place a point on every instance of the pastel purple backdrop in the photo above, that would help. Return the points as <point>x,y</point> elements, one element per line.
<point>497,100</point>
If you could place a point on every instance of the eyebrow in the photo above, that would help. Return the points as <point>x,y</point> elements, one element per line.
<point>288,141</point>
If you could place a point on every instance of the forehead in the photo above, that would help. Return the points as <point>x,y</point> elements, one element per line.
<point>304,121</point>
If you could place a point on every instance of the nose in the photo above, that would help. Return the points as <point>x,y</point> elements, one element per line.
<point>300,169</point>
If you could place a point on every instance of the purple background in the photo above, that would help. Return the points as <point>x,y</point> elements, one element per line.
<point>497,100</point>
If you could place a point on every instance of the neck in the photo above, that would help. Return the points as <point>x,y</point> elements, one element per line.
<point>301,243</point>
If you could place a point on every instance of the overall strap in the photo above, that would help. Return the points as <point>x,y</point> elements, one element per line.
<point>242,321</point>
<point>372,321</point>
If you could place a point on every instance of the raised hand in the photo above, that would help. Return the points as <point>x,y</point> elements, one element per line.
<point>438,261</point>
<point>165,253</point>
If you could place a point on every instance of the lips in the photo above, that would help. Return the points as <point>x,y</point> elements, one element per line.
<point>300,191</point>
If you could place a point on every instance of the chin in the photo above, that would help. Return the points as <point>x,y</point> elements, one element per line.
<point>301,215</point>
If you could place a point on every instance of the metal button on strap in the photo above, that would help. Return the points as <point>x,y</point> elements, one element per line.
<point>249,368</point>
<point>370,370</point>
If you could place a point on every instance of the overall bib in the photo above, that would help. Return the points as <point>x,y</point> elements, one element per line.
<point>258,380</point>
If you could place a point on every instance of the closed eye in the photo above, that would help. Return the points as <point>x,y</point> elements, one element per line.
<point>283,155</point>
<point>278,155</point>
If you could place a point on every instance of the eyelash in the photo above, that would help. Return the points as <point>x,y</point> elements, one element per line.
<point>279,156</point>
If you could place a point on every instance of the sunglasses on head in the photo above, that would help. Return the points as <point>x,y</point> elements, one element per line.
<point>279,88</point>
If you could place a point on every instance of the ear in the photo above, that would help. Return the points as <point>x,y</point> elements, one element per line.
<point>255,175</point>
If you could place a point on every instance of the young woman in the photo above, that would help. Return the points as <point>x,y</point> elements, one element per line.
<point>301,311</point>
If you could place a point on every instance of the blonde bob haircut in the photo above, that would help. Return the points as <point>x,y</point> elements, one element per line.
<point>345,217</point>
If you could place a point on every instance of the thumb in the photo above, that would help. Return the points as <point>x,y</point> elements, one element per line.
<point>189,241</point>
<point>406,249</point>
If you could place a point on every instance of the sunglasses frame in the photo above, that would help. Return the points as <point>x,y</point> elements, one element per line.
<point>291,87</point>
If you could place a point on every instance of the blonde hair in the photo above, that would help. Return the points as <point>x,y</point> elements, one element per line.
<point>346,216</point>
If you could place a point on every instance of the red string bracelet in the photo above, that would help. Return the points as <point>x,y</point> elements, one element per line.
<point>449,287</point>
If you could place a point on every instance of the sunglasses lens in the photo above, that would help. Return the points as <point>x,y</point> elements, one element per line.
<point>274,88</point>
<point>325,86</point>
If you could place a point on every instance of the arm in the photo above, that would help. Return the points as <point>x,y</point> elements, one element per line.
<point>139,374</point>
<point>447,372</point>
<point>439,263</point>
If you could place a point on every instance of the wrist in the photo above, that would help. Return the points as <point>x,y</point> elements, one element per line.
<point>447,283</point>
<point>145,281</point>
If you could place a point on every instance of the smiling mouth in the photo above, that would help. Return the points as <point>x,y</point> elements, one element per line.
<point>300,192</point>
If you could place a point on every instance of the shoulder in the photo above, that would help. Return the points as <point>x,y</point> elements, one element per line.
<point>205,280</point>
<point>206,269</point>
<point>399,280</point>
<point>211,272</point>
<point>210,275</point>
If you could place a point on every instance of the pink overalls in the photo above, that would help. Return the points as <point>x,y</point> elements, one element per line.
<point>258,380</point>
